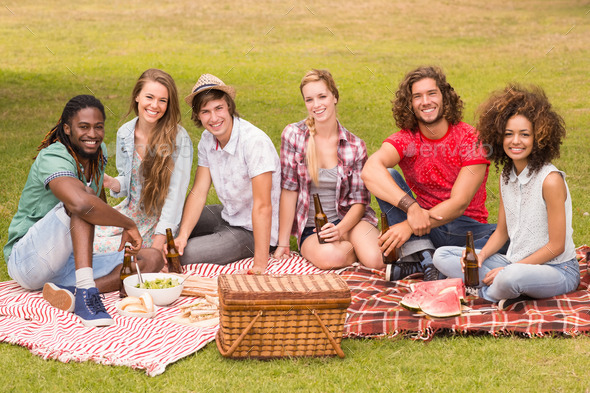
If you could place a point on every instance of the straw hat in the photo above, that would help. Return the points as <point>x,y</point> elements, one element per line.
<point>209,82</point>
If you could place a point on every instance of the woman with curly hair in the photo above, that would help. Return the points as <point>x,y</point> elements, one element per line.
<point>320,156</point>
<point>523,133</point>
<point>154,158</point>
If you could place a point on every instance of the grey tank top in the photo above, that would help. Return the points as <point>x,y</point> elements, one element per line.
<point>326,189</point>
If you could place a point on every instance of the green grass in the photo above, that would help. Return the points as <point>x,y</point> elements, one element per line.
<point>57,49</point>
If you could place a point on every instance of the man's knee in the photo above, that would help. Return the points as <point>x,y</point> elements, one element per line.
<point>151,260</point>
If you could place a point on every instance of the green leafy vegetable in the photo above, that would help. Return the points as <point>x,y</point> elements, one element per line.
<point>159,283</point>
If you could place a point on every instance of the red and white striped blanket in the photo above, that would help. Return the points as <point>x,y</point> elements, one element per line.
<point>26,319</point>
<point>151,344</point>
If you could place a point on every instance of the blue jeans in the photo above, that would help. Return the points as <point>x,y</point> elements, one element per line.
<point>45,254</point>
<point>536,281</point>
<point>450,234</point>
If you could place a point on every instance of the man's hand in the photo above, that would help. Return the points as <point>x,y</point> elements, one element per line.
<point>260,264</point>
<point>133,237</point>
<point>395,237</point>
<point>420,219</point>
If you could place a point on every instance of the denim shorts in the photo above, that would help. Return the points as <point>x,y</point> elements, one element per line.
<point>45,254</point>
<point>308,231</point>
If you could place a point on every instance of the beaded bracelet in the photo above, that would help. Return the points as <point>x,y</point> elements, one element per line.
<point>405,203</point>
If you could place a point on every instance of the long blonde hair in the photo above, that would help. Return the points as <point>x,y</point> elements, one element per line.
<point>311,154</point>
<point>158,163</point>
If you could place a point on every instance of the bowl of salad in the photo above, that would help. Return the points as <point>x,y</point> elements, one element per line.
<point>164,288</point>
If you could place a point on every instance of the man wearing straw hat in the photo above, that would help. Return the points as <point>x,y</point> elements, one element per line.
<point>243,165</point>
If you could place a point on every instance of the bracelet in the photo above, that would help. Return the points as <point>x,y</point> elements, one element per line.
<point>288,245</point>
<point>405,203</point>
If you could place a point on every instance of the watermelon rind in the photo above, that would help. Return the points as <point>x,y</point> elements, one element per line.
<point>412,300</point>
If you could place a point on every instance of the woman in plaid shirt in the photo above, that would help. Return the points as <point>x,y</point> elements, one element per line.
<point>318,155</point>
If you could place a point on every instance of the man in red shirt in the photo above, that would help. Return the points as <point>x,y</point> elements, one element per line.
<point>443,165</point>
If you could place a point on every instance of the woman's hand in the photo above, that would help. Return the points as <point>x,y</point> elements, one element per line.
<point>111,183</point>
<point>282,252</point>
<point>330,233</point>
<point>489,278</point>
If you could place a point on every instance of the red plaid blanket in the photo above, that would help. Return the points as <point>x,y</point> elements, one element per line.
<point>375,311</point>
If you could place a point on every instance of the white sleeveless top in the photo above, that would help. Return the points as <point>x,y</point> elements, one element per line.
<point>526,215</point>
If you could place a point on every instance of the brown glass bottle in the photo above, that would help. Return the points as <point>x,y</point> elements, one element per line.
<point>172,257</point>
<point>392,257</point>
<point>320,218</point>
<point>125,272</point>
<point>471,267</point>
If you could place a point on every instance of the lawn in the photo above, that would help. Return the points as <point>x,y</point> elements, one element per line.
<point>53,50</point>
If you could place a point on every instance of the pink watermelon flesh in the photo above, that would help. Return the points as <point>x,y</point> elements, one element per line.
<point>445,304</point>
<point>413,300</point>
<point>435,287</point>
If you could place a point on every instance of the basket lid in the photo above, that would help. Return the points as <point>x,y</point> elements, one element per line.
<point>284,289</point>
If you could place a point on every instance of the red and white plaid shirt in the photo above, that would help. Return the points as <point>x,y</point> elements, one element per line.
<point>352,155</point>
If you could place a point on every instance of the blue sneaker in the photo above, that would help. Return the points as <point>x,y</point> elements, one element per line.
<point>399,270</point>
<point>89,308</point>
<point>59,296</point>
<point>431,273</point>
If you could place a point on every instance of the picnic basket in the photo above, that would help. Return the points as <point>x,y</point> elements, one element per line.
<point>265,317</point>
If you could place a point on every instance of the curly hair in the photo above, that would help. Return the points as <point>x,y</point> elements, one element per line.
<point>158,163</point>
<point>311,153</point>
<point>402,110</point>
<point>548,126</point>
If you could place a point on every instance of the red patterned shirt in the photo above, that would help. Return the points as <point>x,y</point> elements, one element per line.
<point>352,155</point>
<point>431,166</point>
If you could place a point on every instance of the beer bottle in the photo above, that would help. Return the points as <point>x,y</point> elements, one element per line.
<point>470,261</point>
<point>125,272</point>
<point>392,257</point>
<point>320,218</point>
<point>172,257</point>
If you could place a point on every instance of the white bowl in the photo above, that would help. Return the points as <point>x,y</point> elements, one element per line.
<point>162,297</point>
<point>135,314</point>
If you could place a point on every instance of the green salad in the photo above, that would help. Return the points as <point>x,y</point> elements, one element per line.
<point>159,283</point>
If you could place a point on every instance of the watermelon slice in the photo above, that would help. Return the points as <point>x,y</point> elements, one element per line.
<point>424,292</point>
<point>435,287</point>
<point>445,304</point>
<point>413,300</point>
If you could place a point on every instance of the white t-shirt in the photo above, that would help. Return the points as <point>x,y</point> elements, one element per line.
<point>248,153</point>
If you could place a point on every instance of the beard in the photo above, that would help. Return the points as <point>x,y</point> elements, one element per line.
<point>431,122</point>
<point>82,154</point>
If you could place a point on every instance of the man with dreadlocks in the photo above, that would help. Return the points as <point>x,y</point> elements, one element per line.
<point>50,239</point>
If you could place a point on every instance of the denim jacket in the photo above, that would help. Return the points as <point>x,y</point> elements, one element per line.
<point>183,159</point>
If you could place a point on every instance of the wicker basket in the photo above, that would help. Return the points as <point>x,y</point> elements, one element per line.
<point>267,317</point>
